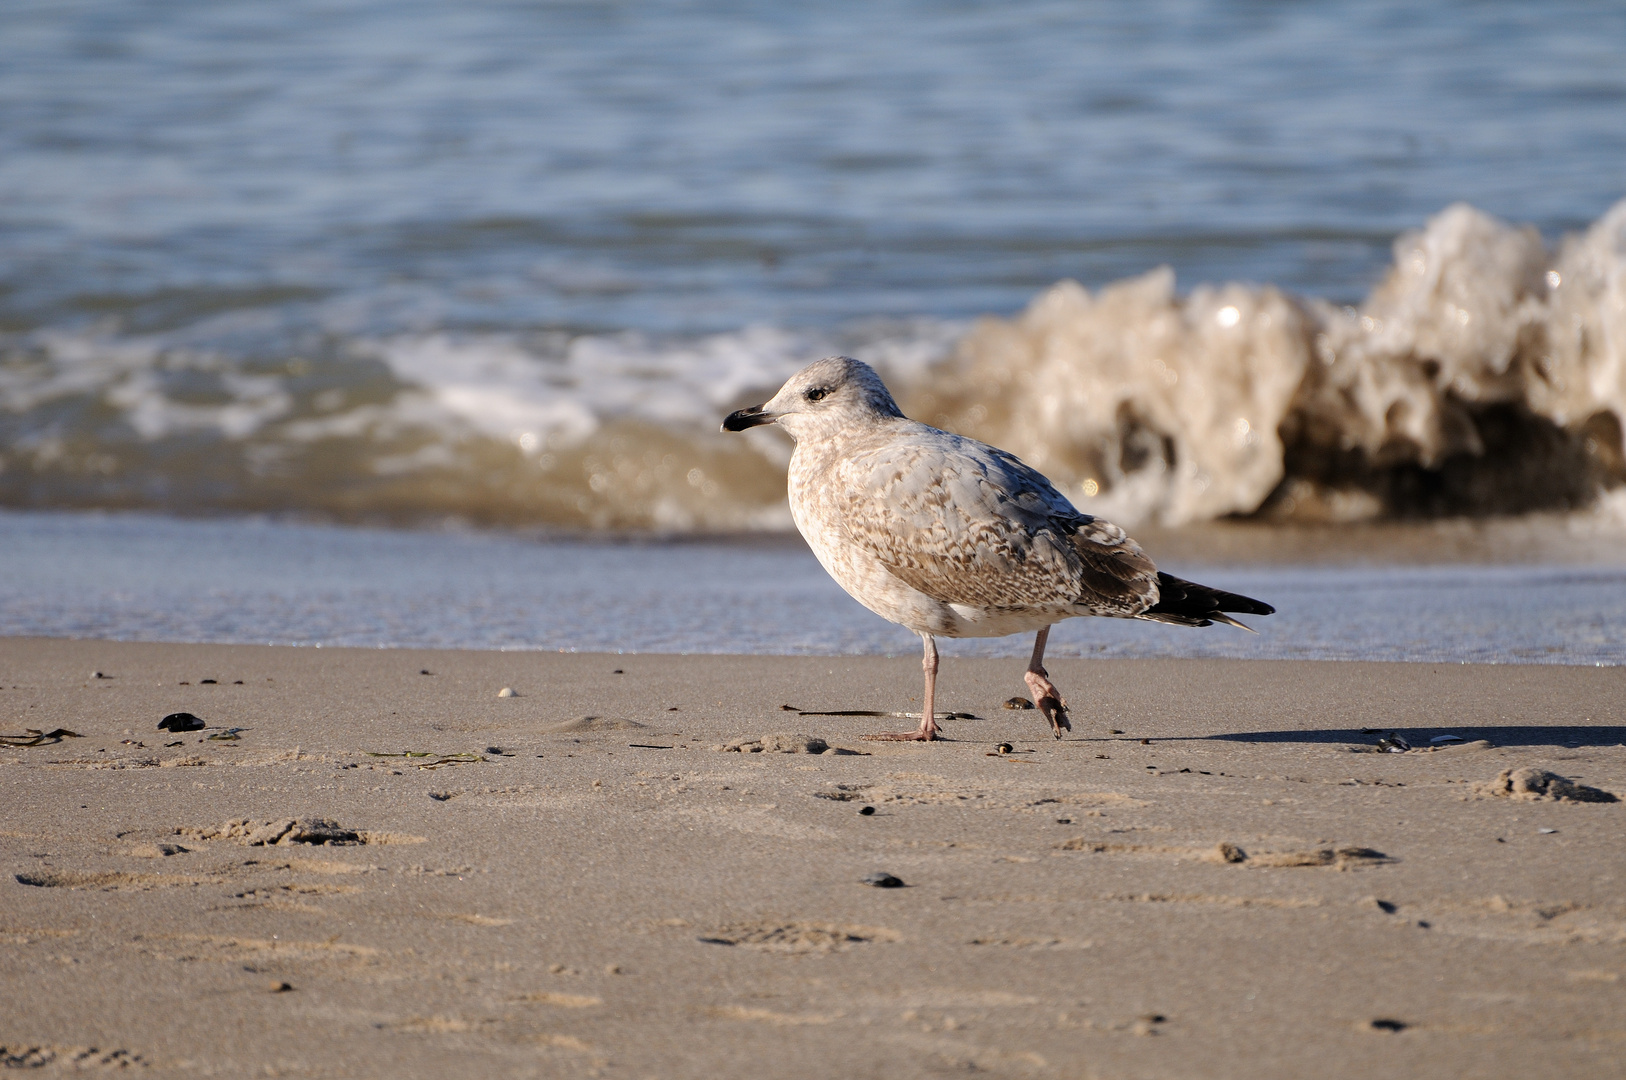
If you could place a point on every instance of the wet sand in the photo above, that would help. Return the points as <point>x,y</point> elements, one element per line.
<point>573,904</point>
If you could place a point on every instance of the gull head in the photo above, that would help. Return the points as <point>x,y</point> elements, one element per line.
<point>835,394</point>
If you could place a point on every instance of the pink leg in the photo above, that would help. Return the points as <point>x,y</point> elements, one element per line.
<point>1045,694</point>
<point>927,731</point>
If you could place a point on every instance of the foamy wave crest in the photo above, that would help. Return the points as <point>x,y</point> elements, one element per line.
<point>585,432</point>
<point>1484,375</point>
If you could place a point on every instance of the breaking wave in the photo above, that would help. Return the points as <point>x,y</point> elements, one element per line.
<point>1485,375</point>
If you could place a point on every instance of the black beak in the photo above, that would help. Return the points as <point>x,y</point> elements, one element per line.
<point>747,418</point>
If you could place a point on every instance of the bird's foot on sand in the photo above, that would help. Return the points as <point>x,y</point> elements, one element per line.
<point>1049,701</point>
<point>926,732</point>
<point>1055,711</point>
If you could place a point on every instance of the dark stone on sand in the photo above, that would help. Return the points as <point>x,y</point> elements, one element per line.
<point>881,880</point>
<point>1388,1025</point>
<point>206,682</point>
<point>181,721</point>
<point>866,811</point>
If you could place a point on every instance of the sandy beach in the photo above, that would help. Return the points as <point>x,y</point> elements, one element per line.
<point>1217,874</point>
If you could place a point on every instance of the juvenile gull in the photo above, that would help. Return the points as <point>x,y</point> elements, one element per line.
<point>951,537</point>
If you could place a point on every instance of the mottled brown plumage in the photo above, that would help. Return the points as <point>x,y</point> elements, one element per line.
<point>951,537</point>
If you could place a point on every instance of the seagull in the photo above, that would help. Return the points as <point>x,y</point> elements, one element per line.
<point>951,537</point>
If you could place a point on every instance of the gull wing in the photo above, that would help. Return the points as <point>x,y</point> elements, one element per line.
<point>965,523</point>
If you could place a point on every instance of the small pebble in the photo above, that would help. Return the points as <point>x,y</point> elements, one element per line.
<point>281,987</point>
<point>618,671</point>
<point>612,969</point>
<point>1018,703</point>
<point>206,682</point>
<point>1388,1025</point>
<point>99,675</point>
<point>425,671</point>
<point>1004,748</point>
<point>866,811</point>
<point>507,691</point>
<point>1546,830</point>
<point>1115,731</point>
<point>1146,742</point>
<point>882,880</point>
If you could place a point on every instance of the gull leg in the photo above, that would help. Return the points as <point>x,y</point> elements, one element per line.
<point>927,731</point>
<point>1045,694</point>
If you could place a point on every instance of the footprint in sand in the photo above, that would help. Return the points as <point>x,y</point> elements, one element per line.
<point>1226,853</point>
<point>67,1058</point>
<point>286,832</point>
<point>798,937</point>
<point>109,880</point>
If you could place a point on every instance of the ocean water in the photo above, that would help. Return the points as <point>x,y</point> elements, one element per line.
<point>137,577</point>
<point>508,262</point>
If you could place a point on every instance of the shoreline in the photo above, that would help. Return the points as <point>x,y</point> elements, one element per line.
<point>1590,536</point>
<point>623,900</point>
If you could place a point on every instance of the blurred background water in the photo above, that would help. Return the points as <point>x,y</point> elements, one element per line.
<point>375,167</point>
<point>506,263</point>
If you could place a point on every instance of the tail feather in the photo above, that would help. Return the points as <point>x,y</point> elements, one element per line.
<point>1186,603</point>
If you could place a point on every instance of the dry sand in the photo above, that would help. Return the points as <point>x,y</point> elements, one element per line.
<point>574,904</point>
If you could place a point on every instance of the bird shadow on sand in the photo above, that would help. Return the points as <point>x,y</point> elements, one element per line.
<point>1557,735</point>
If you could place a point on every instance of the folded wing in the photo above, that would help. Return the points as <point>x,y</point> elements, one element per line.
<point>967,524</point>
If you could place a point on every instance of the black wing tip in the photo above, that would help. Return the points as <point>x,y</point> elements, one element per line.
<point>1182,597</point>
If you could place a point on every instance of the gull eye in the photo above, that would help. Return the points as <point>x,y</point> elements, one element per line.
<point>818,393</point>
